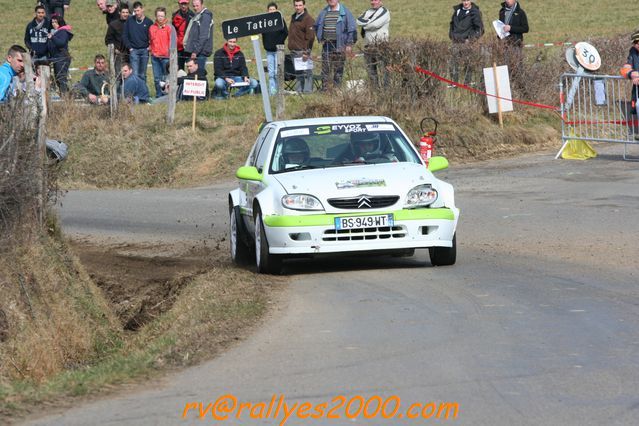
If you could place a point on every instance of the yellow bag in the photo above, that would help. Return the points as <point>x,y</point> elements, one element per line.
<point>577,149</point>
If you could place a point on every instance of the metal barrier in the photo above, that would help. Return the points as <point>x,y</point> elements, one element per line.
<point>598,108</point>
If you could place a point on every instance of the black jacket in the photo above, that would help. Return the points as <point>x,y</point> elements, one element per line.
<point>465,24</point>
<point>115,34</point>
<point>36,37</point>
<point>225,67</point>
<point>272,39</point>
<point>518,24</point>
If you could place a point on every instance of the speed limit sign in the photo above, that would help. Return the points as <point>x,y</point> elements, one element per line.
<point>587,56</point>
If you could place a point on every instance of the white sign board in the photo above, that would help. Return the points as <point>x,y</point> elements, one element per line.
<point>504,89</point>
<point>194,88</point>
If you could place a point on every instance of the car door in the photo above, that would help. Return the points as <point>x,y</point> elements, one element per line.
<point>250,188</point>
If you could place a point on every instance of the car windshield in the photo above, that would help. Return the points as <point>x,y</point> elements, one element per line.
<point>310,147</point>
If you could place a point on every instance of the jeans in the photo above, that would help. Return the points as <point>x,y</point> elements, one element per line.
<point>139,60</point>
<point>221,89</point>
<point>303,78</point>
<point>159,73</point>
<point>333,62</point>
<point>271,65</point>
<point>375,65</point>
<point>61,72</point>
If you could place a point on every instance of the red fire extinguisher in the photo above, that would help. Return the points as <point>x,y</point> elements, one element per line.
<point>427,142</point>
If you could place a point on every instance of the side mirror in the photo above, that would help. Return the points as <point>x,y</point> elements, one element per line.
<point>437,163</point>
<point>248,173</point>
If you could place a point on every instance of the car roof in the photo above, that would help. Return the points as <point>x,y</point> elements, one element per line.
<point>331,120</point>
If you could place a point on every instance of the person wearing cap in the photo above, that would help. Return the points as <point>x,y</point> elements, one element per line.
<point>180,21</point>
<point>630,70</point>
<point>198,37</point>
<point>111,11</point>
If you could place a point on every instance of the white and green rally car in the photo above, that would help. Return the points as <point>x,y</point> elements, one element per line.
<point>339,185</point>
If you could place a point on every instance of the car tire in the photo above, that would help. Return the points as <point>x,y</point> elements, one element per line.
<point>240,251</point>
<point>443,256</point>
<point>266,263</point>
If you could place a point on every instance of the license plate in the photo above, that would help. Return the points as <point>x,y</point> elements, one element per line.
<point>357,222</point>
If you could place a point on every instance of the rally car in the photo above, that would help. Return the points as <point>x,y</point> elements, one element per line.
<point>339,185</point>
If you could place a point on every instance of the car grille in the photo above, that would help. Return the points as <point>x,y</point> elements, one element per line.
<point>363,202</point>
<point>379,233</point>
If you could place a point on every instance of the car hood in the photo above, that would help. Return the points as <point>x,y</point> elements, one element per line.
<point>349,181</point>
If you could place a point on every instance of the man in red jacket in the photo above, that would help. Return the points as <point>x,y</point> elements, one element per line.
<point>180,20</point>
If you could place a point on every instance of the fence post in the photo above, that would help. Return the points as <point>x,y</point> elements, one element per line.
<point>173,65</point>
<point>113,81</point>
<point>42,140</point>
<point>280,108</point>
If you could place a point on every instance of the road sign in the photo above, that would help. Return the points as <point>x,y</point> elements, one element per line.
<point>252,25</point>
<point>194,88</point>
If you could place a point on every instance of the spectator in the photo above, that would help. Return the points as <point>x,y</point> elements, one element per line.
<point>515,20</point>
<point>111,11</point>
<point>193,71</point>
<point>230,68</point>
<point>465,26</point>
<point>90,87</point>
<point>55,7</point>
<point>134,88</point>
<point>12,67</point>
<point>114,36</point>
<point>374,25</point>
<point>181,19</point>
<point>160,41</point>
<point>136,39</point>
<point>198,38</point>
<point>36,35</point>
<point>101,4</point>
<point>270,41</point>
<point>335,29</point>
<point>630,70</point>
<point>300,42</point>
<point>59,39</point>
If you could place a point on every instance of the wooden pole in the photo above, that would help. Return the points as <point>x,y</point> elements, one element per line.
<point>280,107</point>
<point>173,65</point>
<point>113,82</point>
<point>42,138</point>
<point>499,113</point>
<point>194,108</point>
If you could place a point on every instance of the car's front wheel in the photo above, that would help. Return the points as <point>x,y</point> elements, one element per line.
<point>266,263</point>
<point>444,256</point>
<point>240,252</point>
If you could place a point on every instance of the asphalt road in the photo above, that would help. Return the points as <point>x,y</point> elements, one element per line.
<point>538,323</point>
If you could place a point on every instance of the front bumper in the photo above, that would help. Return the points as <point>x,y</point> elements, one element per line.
<point>315,234</point>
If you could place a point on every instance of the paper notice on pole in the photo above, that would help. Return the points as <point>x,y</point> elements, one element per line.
<point>194,88</point>
<point>302,65</point>
<point>504,89</point>
<point>499,29</point>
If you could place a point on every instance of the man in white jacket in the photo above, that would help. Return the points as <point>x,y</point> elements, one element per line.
<point>374,24</point>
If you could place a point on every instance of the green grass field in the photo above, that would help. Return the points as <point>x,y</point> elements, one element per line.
<point>550,21</point>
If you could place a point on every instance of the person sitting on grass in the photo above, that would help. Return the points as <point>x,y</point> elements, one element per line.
<point>134,88</point>
<point>93,81</point>
<point>230,68</point>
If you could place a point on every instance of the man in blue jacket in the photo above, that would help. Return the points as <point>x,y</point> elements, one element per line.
<point>12,67</point>
<point>136,40</point>
<point>36,35</point>
<point>134,88</point>
<point>335,29</point>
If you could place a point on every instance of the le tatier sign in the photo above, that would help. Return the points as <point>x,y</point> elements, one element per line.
<point>252,25</point>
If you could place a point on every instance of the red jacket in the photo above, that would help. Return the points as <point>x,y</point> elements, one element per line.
<point>181,22</point>
<point>160,40</point>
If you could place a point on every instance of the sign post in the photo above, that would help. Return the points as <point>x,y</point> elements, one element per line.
<point>254,26</point>
<point>195,88</point>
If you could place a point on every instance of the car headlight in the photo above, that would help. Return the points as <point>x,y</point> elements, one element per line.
<point>420,196</point>
<point>301,202</point>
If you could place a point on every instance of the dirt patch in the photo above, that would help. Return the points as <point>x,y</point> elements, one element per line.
<point>143,280</point>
